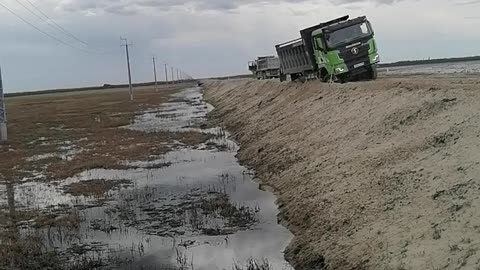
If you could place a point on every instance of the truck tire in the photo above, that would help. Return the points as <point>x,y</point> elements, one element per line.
<point>373,73</point>
<point>264,75</point>
<point>323,75</point>
<point>283,77</point>
<point>293,77</point>
<point>342,79</point>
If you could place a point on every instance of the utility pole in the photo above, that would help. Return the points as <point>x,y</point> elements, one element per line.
<point>3,113</point>
<point>178,78</point>
<point>173,76</point>
<point>155,73</point>
<point>166,74</point>
<point>128,66</point>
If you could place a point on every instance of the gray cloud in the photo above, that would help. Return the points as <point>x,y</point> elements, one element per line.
<point>466,3</point>
<point>349,2</point>
<point>130,7</point>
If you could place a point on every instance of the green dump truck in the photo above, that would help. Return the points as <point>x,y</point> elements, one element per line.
<point>340,50</point>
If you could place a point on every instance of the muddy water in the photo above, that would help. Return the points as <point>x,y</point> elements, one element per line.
<point>193,208</point>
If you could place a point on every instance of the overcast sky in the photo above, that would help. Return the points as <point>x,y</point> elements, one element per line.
<point>207,37</point>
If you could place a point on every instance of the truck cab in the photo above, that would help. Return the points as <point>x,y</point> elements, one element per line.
<point>338,50</point>
<point>252,66</point>
<point>346,50</point>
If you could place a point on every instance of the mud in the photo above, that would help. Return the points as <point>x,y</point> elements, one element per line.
<point>194,207</point>
<point>369,175</point>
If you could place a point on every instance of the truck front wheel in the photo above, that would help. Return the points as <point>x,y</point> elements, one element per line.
<point>373,73</point>
<point>323,75</point>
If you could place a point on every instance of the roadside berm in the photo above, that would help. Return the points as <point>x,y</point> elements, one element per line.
<point>369,175</point>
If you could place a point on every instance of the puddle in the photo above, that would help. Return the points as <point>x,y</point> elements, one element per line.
<point>186,112</point>
<point>65,151</point>
<point>192,208</point>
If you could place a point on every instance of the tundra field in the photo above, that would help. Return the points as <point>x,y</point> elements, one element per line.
<point>92,180</point>
<point>368,175</point>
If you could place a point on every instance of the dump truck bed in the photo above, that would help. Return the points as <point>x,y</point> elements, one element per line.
<point>264,64</point>
<point>294,57</point>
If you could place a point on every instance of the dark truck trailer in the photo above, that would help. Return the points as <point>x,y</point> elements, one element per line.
<point>265,67</point>
<point>338,50</point>
<point>294,60</point>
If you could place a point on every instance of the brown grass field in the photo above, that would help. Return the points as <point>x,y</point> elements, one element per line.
<point>48,125</point>
<point>45,124</point>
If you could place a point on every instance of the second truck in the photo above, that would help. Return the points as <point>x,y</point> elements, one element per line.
<point>265,67</point>
<point>339,50</point>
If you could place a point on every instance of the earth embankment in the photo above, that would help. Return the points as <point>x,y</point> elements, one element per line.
<point>369,175</point>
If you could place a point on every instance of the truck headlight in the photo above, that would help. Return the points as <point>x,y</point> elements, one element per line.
<point>340,70</point>
<point>376,58</point>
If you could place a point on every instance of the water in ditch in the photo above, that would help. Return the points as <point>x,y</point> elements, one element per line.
<point>192,208</point>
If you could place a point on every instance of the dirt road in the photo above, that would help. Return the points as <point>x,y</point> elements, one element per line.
<point>370,175</point>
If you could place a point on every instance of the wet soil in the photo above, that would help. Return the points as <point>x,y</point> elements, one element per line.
<point>191,207</point>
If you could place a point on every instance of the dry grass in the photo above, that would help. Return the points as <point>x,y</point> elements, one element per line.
<point>96,188</point>
<point>89,120</point>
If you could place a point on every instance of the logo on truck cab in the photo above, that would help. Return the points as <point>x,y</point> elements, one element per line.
<point>355,50</point>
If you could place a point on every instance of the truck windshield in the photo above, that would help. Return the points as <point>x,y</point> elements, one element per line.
<point>348,34</point>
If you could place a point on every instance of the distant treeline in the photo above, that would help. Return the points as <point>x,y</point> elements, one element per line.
<point>430,61</point>
<point>66,90</point>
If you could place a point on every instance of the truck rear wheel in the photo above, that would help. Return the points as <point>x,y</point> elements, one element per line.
<point>293,77</point>
<point>283,77</point>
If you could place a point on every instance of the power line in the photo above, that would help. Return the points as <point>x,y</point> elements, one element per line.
<point>36,28</point>
<point>46,33</point>
<point>50,20</point>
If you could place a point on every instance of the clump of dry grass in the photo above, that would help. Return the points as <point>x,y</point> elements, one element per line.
<point>94,188</point>
<point>236,215</point>
<point>26,252</point>
<point>253,264</point>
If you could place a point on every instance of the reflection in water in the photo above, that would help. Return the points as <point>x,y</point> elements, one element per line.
<point>12,233</point>
<point>11,210</point>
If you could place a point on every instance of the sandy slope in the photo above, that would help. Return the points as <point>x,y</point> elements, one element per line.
<point>371,175</point>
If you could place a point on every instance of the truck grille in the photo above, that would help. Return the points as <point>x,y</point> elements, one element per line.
<point>355,55</point>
